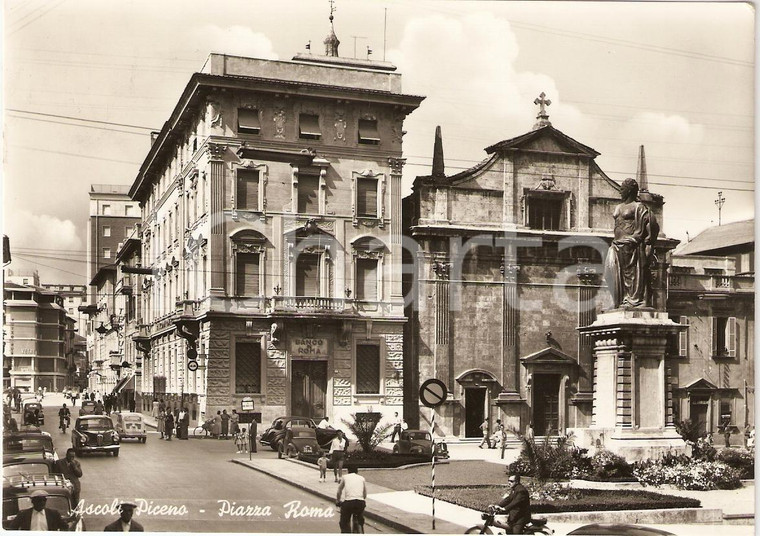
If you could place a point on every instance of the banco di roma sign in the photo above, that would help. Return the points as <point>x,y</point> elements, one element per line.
<point>309,347</point>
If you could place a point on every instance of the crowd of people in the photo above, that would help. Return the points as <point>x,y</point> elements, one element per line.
<point>171,421</point>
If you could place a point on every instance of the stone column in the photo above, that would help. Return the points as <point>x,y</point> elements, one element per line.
<point>442,368</point>
<point>510,328</point>
<point>217,240</point>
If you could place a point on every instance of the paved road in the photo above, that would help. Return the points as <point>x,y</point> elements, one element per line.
<point>192,486</point>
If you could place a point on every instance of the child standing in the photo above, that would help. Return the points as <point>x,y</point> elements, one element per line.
<point>241,441</point>
<point>322,464</point>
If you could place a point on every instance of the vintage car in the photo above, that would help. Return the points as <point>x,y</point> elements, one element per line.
<point>619,529</point>
<point>95,433</point>
<point>33,413</point>
<point>129,425</point>
<point>87,408</point>
<point>26,442</point>
<point>17,491</point>
<point>299,440</point>
<point>28,464</point>
<point>420,442</point>
<point>273,435</point>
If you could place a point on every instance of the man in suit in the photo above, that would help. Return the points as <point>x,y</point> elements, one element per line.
<point>125,523</point>
<point>38,518</point>
<point>517,505</point>
<point>72,470</point>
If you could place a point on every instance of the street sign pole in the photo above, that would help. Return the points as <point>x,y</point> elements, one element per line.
<point>433,393</point>
<point>432,477</point>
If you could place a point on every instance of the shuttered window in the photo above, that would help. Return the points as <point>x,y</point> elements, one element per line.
<point>247,194</point>
<point>308,127</point>
<point>367,369</point>
<point>308,189</point>
<point>248,367</point>
<point>368,134</point>
<point>683,337</point>
<point>724,336</point>
<point>307,275</point>
<point>247,274</point>
<point>366,198</point>
<point>366,279</point>
<point>248,121</point>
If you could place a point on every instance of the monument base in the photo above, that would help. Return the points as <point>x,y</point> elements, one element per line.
<point>633,445</point>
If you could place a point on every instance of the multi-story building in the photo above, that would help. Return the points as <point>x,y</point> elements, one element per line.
<point>271,223</point>
<point>73,296</point>
<point>36,332</point>
<point>712,291</point>
<point>508,268</point>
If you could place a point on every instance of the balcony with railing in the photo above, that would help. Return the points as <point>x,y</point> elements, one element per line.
<point>311,304</point>
<point>710,283</point>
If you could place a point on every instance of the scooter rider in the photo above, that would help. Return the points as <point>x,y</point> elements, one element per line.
<point>517,505</point>
<point>64,413</point>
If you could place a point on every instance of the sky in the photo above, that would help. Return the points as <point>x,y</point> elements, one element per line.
<point>85,81</point>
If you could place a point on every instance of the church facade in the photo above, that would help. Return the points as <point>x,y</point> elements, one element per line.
<point>508,267</point>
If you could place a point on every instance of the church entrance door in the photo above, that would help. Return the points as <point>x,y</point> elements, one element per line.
<point>698,413</point>
<point>308,388</point>
<point>546,404</point>
<point>475,411</point>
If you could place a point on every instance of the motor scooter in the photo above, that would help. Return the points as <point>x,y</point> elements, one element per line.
<point>491,525</point>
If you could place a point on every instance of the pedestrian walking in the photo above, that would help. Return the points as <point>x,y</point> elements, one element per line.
<point>183,424</point>
<point>352,499</point>
<point>70,468</point>
<point>99,409</point>
<point>161,405</point>
<point>486,434</point>
<point>396,427</point>
<point>132,404</point>
<point>154,408</point>
<point>161,423</point>
<point>216,428</point>
<point>726,426</point>
<point>225,424</point>
<point>498,433</point>
<point>92,397</point>
<point>169,425</point>
<point>125,523</point>
<point>234,423</point>
<point>322,464</point>
<point>338,454</point>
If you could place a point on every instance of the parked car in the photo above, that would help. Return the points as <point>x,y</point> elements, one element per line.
<point>129,425</point>
<point>299,440</point>
<point>95,433</point>
<point>87,408</point>
<point>25,442</point>
<point>618,529</point>
<point>17,491</point>
<point>420,442</point>
<point>33,413</point>
<point>273,435</point>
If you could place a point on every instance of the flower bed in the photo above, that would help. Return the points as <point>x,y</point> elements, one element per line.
<point>687,473</point>
<point>556,498</point>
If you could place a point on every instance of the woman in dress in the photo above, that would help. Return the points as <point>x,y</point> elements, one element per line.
<point>169,426</point>
<point>160,422</point>
<point>338,454</point>
<point>216,429</point>
<point>234,423</point>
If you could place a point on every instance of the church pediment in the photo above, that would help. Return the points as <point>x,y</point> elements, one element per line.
<point>548,356</point>
<point>546,139</point>
<point>701,385</point>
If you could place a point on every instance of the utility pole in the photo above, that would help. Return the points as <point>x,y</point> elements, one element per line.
<point>355,38</point>
<point>719,203</point>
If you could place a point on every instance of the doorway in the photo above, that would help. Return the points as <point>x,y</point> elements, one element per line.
<point>698,412</point>
<point>475,411</point>
<point>308,389</point>
<point>546,404</point>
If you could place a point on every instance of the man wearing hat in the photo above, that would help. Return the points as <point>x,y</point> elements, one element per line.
<point>125,523</point>
<point>38,517</point>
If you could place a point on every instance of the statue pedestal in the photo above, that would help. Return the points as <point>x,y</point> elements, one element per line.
<point>632,403</point>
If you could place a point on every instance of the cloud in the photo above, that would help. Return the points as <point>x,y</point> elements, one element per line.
<point>666,127</point>
<point>236,40</point>
<point>47,244</point>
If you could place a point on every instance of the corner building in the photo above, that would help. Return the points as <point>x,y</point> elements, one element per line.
<point>271,222</point>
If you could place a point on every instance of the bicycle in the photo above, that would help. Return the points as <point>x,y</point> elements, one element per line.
<point>357,520</point>
<point>203,430</point>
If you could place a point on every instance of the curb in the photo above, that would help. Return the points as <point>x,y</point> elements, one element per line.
<point>367,513</point>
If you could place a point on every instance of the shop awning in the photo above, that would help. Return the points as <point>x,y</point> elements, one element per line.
<point>127,382</point>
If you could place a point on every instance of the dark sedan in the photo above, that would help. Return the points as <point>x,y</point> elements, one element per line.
<point>26,442</point>
<point>95,433</point>
<point>275,434</point>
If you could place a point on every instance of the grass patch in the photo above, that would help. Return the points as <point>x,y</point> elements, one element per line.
<point>479,496</point>
<point>372,460</point>
<point>452,473</point>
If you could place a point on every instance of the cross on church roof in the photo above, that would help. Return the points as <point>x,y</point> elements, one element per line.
<point>542,117</point>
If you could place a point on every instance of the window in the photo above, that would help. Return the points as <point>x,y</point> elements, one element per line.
<point>248,367</point>
<point>247,194</point>
<point>726,413</point>
<point>247,274</point>
<point>367,369</point>
<point>248,121</point>
<point>308,194</point>
<point>129,210</point>
<point>106,231</point>
<point>366,198</point>
<point>366,279</point>
<point>724,336</point>
<point>544,212</point>
<point>106,210</point>
<point>307,274</point>
<point>368,132</point>
<point>106,253</point>
<point>678,343</point>
<point>308,127</point>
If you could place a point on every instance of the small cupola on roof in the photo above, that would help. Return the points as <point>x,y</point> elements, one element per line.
<point>542,119</point>
<point>332,41</point>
